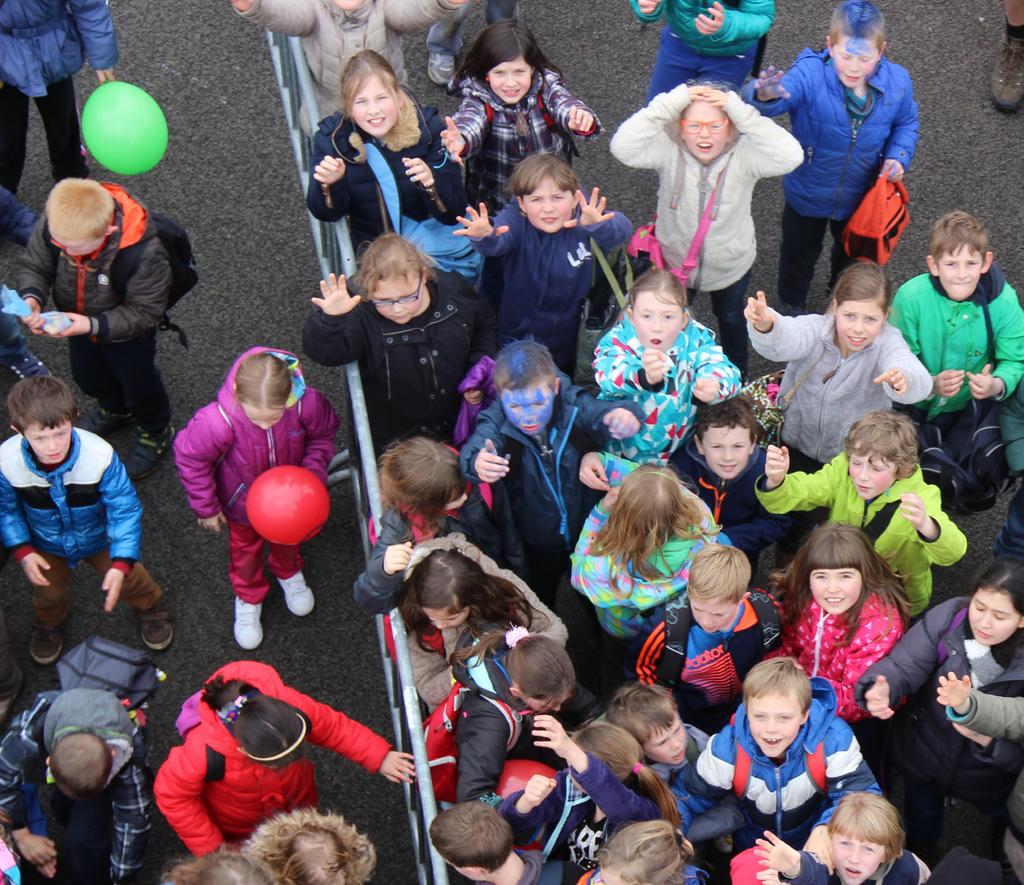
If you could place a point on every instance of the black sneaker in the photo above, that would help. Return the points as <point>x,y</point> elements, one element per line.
<point>101,421</point>
<point>149,451</point>
<point>27,365</point>
<point>45,645</point>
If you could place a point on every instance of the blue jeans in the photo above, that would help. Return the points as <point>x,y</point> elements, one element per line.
<point>445,36</point>
<point>678,63</point>
<point>1009,542</point>
<point>728,305</point>
<point>12,343</point>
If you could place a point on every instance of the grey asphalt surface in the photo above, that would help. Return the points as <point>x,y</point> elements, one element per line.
<point>229,177</point>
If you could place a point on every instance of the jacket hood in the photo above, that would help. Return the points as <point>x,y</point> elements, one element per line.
<point>226,395</point>
<point>990,284</point>
<point>487,676</point>
<point>812,732</point>
<point>133,215</point>
<point>471,86</point>
<point>91,711</point>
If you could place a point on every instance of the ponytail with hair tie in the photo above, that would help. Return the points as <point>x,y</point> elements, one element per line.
<point>516,635</point>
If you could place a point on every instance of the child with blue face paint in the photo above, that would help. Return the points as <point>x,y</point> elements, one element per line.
<point>854,113</point>
<point>534,437</point>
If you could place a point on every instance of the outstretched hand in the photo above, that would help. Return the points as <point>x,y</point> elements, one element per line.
<point>777,855</point>
<point>776,466</point>
<point>476,223</point>
<point>399,768</point>
<point>759,314</point>
<point>592,473</point>
<point>895,379</point>
<point>330,170</point>
<point>878,700</point>
<point>769,84</point>
<point>335,299</point>
<point>581,120</point>
<point>592,210</point>
<point>452,140</point>
<point>621,423</point>
<point>954,692</point>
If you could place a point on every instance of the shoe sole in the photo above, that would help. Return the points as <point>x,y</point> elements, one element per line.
<point>1006,107</point>
<point>45,662</point>
<point>157,646</point>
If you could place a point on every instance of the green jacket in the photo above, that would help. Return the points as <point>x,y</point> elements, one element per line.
<point>946,334</point>
<point>746,21</point>
<point>910,555</point>
<point>999,717</point>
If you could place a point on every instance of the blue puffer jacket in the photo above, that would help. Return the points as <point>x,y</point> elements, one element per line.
<point>781,798</point>
<point>85,505</point>
<point>16,219</point>
<point>43,41</point>
<point>839,166</point>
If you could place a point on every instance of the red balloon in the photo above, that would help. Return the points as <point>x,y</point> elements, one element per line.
<point>287,505</point>
<point>517,772</point>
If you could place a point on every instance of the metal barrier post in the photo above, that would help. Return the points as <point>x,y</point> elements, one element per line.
<point>334,251</point>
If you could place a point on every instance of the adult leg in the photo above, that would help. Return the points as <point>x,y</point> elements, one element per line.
<point>728,305</point>
<point>13,132</point>
<point>676,63</point>
<point>85,854</point>
<point>802,236</point>
<point>547,568</point>
<point>731,69</point>
<point>63,137</point>
<point>838,260</point>
<point>1010,540</point>
<point>923,810</point>
<point>444,40</point>
<point>1008,72</point>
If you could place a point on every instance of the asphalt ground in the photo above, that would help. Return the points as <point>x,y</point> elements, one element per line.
<point>229,177</point>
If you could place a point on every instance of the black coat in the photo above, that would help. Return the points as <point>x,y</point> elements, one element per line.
<point>410,372</point>
<point>355,195</point>
<point>925,744</point>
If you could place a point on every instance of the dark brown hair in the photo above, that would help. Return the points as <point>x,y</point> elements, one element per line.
<point>41,400</point>
<point>499,43</point>
<point>80,764</point>
<point>735,412</point>
<point>448,580</point>
<point>863,281</point>
<point>472,834</point>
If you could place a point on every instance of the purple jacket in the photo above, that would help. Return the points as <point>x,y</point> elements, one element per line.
<point>220,452</point>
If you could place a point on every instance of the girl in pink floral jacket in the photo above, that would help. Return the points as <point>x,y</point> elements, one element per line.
<point>843,610</point>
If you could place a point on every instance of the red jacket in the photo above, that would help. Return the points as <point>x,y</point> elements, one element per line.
<point>207,814</point>
<point>842,665</point>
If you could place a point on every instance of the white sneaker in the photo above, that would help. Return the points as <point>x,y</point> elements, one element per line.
<point>297,595</point>
<point>248,630</point>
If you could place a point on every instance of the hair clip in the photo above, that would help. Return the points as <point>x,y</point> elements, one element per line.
<point>516,635</point>
<point>229,712</point>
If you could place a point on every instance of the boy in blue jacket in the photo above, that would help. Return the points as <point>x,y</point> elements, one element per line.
<point>786,757</point>
<point>65,497</point>
<point>723,462</point>
<point>854,113</point>
<point>534,436</point>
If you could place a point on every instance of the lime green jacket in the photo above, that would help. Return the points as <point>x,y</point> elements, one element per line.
<point>909,555</point>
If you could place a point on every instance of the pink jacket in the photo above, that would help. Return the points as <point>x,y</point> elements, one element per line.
<point>816,641</point>
<point>220,452</point>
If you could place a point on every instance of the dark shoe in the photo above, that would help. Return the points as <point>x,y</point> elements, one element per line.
<point>7,703</point>
<point>156,627</point>
<point>45,645</point>
<point>1008,76</point>
<point>101,421</point>
<point>792,310</point>
<point>149,451</point>
<point>27,365</point>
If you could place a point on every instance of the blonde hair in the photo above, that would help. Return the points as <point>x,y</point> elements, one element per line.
<point>420,477</point>
<point>530,172</point>
<point>221,867</point>
<point>719,572</point>
<point>621,752</point>
<point>263,381</point>
<point>869,818</point>
<point>779,676</point>
<point>79,209</point>
<point>642,710</point>
<point>652,508</point>
<point>359,69</point>
<point>863,281</point>
<point>954,231</point>
<point>885,435</point>
<point>387,257</point>
<point>651,852</point>
<point>308,847</point>
<point>662,284</point>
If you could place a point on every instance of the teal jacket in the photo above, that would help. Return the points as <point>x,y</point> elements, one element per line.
<point>746,21</point>
<point>947,334</point>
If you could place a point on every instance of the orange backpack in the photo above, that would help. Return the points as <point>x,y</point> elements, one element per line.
<point>876,226</point>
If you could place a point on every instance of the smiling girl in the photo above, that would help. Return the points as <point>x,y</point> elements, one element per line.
<point>662,358</point>
<point>977,636</point>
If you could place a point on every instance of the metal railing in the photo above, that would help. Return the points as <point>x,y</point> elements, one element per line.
<point>356,464</point>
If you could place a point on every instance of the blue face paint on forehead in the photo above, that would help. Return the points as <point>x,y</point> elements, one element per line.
<point>529,408</point>
<point>859,46</point>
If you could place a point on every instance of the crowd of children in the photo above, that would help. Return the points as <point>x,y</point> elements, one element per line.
<point>720,726</point>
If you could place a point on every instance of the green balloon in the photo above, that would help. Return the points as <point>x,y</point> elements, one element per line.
<point>124,128</point>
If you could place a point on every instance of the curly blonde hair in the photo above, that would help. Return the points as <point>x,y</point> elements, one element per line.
<point>309,847</point>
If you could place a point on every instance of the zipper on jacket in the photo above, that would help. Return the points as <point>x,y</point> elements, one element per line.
<point>810,154</point>
<point>778,797</point>
<point>846,164</point>
<point>270,446</point>
<point>817,642</point>
<point>234,498</point>
<point>821,404</point>
<point>81,273</point>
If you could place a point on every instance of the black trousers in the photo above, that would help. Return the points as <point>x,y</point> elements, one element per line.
<point>60,121</point>
<point>546,568</point>
<point>802,239</point>
<point>85,854</point>
<point>122,376</point>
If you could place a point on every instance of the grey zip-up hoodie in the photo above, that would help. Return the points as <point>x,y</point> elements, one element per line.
<point>835,391</point>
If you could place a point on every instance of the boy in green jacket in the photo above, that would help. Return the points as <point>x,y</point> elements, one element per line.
<point>875,484</point>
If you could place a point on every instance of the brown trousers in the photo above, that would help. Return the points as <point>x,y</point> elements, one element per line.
<point>52,603</point>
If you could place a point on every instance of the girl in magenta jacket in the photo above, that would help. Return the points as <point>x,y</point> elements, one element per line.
<point>843,609</point>
<point>264,416</point>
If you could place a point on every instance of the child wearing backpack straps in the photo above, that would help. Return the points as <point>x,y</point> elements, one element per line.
<point>604,785</point>
<point>425,496</point>
<point>264,416</point>
<point>111,330</point>
<point>843,609</point>
<point>242,762</point>
<point>653,852</point>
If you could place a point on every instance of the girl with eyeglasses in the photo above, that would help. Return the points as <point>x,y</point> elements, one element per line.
<point>709,150</point>
<point>415,332</point>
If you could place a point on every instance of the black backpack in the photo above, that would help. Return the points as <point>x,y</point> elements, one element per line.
<point>110,666</point>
